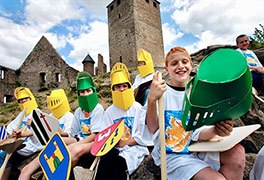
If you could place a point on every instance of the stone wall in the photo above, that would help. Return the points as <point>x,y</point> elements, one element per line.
<point>8,83</point>
<point>101,68</point>
<point>44,68</point>
<point>89,67</point>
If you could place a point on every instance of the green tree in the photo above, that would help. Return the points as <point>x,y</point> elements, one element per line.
<point>257,40</point>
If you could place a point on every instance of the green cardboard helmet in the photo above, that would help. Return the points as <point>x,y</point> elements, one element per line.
<point>85,81</point>
<point>220,90</point>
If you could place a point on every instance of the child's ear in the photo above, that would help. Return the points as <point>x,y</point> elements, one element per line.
<point>166,68</point>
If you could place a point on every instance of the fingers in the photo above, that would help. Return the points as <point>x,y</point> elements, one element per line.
<point>157,87</point>
<point>224,128</point>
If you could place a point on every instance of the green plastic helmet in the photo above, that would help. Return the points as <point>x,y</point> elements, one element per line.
<point>85,81</point>
<point>221,90</point>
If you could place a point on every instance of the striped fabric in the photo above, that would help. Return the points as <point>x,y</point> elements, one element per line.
<point>3,133</point>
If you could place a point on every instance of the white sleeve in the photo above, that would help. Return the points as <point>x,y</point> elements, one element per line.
<point>140,131</point>
<point>13,124</point>
<point>68,121</point>
<point>96,121</point>
<point>106,120</point>
<point>75,125</point>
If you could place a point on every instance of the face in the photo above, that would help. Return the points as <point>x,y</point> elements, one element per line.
<point>179,67</point>
<point>121,87</point>
<point>23,100</point>
<point>243,42</point>
<point>141,63</point>
<point>86,92</point>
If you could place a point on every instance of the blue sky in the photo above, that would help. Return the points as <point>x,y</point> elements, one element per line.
<point>78,27</point>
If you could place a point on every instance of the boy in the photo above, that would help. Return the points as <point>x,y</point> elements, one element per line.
<point>60,108</point>
<point>25,100</point>
<point>254,64</point>
<point>87,121</point>
<point>257,172</point>
<point>182,164</point>
<point>143,80</point>
<point>128,154</point>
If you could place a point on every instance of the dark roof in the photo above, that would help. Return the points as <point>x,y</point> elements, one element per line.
<point>88,58</point>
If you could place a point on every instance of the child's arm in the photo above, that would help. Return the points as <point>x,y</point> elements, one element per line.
<point>157,88</point>
<point>223,128</point>
<point>257,68</point>
<point>88,139</point>
<point>129,142</point>
<point>63,133</point>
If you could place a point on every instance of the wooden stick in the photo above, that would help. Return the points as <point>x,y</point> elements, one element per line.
<point>2,169</point>
<point>259,98</point>
<point>94,162</point>
<point>162,135</point>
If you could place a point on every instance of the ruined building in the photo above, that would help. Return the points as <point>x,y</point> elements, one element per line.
<point>101,68</point>
<point>43,68</point>
<point>8,82</point>
<point>134,24</point>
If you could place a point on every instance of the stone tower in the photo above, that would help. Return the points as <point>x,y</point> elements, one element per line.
<point>134,24</point>
<point>88,64</point>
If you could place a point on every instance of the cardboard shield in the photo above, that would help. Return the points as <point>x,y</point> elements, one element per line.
<point>55,159</point>
<point>43,126</point>
<point>219,144</point>
<point>107,138</point>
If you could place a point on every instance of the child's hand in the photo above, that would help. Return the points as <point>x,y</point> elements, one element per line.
<point>16,134</point>
<point>121,143</point>
<point>157,87</point>
<point>224,128</point>
<point>259,69</point>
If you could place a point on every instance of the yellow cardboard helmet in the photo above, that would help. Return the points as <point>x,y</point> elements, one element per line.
<point>58,103</point>
<point>120,74</point>
<point>23,92</point>
<point>148,68</point>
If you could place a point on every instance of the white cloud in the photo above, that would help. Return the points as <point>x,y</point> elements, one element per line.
<point>218,21</point>
<point>169,34</point>
<point>93,42</point>
<point>18,40</point>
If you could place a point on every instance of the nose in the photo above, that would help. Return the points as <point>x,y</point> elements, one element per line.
<point>122,88</point>
<point>180,65</point>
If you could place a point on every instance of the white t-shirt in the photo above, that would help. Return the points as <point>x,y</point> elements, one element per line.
<point>83,126</point>
<point>65,121</point>
<point>140,80</point>
<point>31,142</point>
<point>135,154</point>
<point>257,172</point>
<point>181,164</point>
<point>251,57</point>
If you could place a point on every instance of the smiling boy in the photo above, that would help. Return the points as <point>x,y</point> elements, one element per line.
<point>182,164</point>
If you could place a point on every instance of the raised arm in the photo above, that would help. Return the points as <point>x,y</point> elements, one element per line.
<point>157,88</point>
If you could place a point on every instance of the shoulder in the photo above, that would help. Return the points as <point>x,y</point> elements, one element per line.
<point>99,106</point>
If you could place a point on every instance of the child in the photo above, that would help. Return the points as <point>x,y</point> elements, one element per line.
<point>254,64</point>
<point>144,79</point>
<point>25,100</point>
<point>257,172</point>
<point>181,164</point>
<point>60,108</point>
<point>128,154</point>
<point>87,121</point>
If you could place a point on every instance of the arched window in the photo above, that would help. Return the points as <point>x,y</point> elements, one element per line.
<point>42,77</point>
<point>58,77</point>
